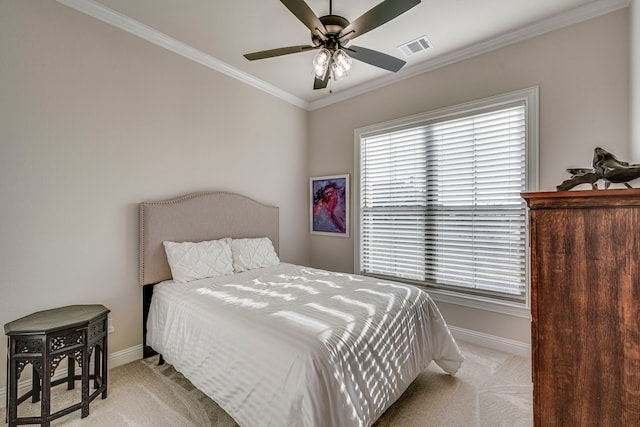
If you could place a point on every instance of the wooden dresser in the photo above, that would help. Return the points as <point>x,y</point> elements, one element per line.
<point>585,307</point>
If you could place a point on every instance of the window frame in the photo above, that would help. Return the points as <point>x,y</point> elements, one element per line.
<point>528,96</point>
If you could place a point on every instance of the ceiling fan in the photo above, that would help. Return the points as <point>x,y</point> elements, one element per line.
<point>331,34</point>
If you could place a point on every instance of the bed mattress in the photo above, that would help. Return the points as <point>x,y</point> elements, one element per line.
<point>295,346</point>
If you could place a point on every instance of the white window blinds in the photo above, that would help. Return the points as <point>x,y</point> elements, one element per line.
<point>440,202</point>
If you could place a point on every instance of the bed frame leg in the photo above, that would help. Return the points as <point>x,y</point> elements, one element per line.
<point>161,361</point>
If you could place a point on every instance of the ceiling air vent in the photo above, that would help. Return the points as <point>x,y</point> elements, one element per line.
<point>415,46</point>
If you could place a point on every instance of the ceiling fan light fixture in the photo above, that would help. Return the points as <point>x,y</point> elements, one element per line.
<point>332,33</point>
<point>321,63</point>
<point>341,63</point>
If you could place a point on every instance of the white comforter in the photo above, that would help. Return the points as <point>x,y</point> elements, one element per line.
<point>296,346</point>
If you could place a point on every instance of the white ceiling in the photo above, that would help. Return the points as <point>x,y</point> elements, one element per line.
<point>217,33</point>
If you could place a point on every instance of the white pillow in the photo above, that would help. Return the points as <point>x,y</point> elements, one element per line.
<point>253,253</point>
<point>192,261</point>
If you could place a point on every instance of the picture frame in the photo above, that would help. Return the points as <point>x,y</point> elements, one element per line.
<point>329,205</point>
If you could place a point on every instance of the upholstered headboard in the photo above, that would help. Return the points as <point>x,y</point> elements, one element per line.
<point>196,217</point>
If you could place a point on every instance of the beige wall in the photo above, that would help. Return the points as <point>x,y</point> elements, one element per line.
<point>634,20</point>
<point>583,75</point>
<point>93,121</point>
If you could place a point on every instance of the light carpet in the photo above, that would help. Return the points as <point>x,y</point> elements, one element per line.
<point>492,389</point>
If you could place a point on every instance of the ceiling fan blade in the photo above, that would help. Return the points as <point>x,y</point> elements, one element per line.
<point>304,13</point>
<point>277,52</point>
<point>373,57</point>
<point>321,83</point>
<point>378,15</point>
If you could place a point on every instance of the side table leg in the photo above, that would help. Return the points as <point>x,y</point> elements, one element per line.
<point>35,386</point>
<point>12,394</point>
<point>105,368</point>
<point>85,373</point>
<point>97,379</point>
<point>45,377</point>
<point>71,373</point>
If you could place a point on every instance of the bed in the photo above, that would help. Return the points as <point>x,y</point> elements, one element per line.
<point>277,344</point>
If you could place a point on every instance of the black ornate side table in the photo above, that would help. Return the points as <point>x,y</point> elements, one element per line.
<point>44,339</point>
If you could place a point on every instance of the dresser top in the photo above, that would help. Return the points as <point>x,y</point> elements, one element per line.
<point>586,198</point>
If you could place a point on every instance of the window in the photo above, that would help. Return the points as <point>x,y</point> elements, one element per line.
<point>439,197</point>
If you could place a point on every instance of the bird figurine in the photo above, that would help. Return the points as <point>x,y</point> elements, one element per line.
<point>611,169</point>
<point>606,167</point>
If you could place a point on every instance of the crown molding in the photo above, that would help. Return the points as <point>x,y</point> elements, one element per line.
<point>123,22</point>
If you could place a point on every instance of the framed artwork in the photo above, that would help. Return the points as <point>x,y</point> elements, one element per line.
<point>330,205</point>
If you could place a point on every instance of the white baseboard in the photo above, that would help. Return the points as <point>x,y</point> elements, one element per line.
<point>125,356</point>
<point>494,342</point>
<point>118,358</point>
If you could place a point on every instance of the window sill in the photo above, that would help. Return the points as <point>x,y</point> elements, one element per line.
<point>480,303</point>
